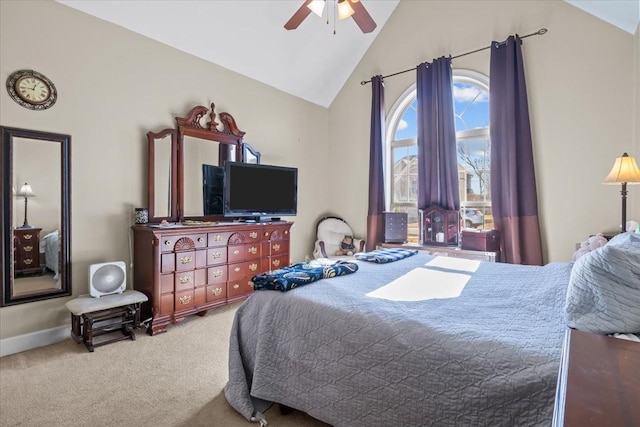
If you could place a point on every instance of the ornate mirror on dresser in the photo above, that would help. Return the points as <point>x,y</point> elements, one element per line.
<point>185,160</point>
<point>36,215</point>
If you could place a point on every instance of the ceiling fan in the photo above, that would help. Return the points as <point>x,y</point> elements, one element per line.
<point>345,9</point>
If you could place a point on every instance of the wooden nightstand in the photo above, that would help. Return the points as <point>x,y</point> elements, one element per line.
<point>598,383</point>
<point>26,251</point>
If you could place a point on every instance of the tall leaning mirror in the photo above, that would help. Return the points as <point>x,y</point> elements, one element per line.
<point>36,215</point>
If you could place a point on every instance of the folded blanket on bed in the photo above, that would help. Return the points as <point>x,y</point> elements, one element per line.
<point>382,256</point>
<point>300,274</point>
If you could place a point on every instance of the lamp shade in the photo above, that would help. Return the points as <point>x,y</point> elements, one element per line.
<point>317,7</point>
<point>26,191</point>
<point>344,9</point>
<point>625,170</point>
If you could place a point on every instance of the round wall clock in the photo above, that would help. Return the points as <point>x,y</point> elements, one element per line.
<point>31,89</point>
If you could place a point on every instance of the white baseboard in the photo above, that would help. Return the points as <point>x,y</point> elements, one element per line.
<point>33,340</point>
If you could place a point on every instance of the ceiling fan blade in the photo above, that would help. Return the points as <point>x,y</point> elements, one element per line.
<point>298,17</point>
<point>362,17</point>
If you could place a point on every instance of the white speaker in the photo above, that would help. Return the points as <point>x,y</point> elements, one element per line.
<point>107,278</point>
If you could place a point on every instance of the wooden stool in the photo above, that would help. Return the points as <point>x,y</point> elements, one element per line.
<point>92,317</point>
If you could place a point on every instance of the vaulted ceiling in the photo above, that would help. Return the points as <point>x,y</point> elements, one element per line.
<point>248,37</point>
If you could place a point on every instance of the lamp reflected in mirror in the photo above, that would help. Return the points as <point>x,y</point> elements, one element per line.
<point>25,191</point>
<point>625,171</point>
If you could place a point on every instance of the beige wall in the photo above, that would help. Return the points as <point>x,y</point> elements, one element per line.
<point>114,86</point>
<point>580,85</point>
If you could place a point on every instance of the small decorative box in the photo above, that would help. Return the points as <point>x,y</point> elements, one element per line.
<point>481,240</point>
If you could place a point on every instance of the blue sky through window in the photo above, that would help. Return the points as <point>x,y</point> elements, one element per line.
<point>471,105</point>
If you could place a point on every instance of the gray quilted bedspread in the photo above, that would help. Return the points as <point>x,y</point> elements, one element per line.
<point>488,357</point>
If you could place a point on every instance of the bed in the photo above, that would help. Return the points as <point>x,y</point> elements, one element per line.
<point>51,249</point>
<point>421,341</point>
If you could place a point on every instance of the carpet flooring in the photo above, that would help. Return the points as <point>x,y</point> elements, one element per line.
<point>171,379</point>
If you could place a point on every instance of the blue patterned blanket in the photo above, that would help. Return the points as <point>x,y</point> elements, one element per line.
<point>300,274</point>
<point>382,256</point>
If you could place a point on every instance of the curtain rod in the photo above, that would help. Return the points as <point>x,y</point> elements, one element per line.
<point>540,32</point>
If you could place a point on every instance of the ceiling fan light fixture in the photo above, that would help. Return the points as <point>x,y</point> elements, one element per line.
<point>344,9</point>
<point>317,7</point>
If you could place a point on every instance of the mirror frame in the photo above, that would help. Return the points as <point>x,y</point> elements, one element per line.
<point>152,137</point>
<point>249,150</point>
<point>190,126</point>
<point>6,203</point>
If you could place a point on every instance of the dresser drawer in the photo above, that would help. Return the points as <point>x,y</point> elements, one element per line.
<point>185,260</point>
<point>183,281</point>
<point>274,263</point>
<point>236,288</point>
<point>275,247</point>
<point>217,274</point>
<point>189,279</point>
<point>184,300</point>
<point>183,242</point>
<point>218,239</point>
<point>216,292</point>
<point>217,256</point>
<point>244,269</point>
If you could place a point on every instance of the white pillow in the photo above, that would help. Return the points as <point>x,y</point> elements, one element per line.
<point>604,288</point>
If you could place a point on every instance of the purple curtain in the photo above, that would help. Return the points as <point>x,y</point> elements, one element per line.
<point>513,185</point>
<point>375,218</point>
<point>437,153</point>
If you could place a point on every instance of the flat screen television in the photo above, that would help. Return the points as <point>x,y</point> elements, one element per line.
<point>212,189</point>
<point>256,192</point>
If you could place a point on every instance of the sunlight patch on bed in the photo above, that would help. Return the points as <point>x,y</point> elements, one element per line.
<point>452,263</point>
<point>422,284</point>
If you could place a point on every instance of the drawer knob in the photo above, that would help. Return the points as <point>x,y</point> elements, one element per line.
<point>236,269</point>
<point>185,279</point>
<point>217,273</point>
<point>216,255</point>
<point>185,299</point>
<point>216,291</point>
<point>28,248</point>
<point>275,262</point>
<point>185,259</point>
<point>253,250</point>
<point>167,242</point>
<point>276,247</point>
<point>28,261</point>
<point>253,267</point>
<point>28,236</point>
<point>236,286</point>
<point>236,252</point>
<point>253,234</point>
<point>217,238</point>
<point>200,239</point>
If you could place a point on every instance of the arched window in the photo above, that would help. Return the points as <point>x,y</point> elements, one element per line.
<point>471,104</point>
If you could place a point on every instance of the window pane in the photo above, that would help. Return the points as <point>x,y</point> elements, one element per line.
<point>471,105</point>
<point>405,174</point>
<point>406,127</point>
<point>474,158</point>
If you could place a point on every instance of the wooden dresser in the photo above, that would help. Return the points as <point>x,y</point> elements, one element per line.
<point>26,250</point>
<point>598,383</point>
<point>188,270</point>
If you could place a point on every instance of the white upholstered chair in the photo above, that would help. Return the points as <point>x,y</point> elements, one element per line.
<point>329,234</point>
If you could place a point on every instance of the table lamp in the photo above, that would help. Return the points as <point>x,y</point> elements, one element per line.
<point>625,171</point>
<point>26,192</point>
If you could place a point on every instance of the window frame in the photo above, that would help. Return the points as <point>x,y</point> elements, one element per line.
<point>406,98</point>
